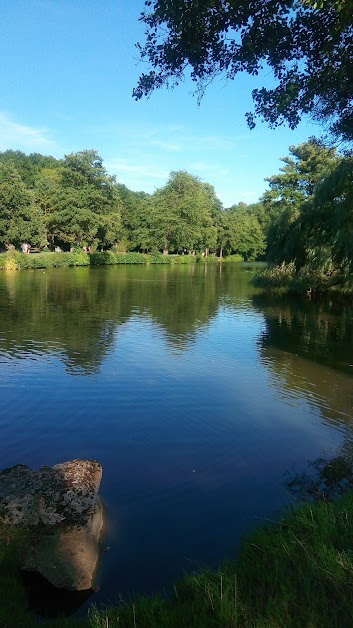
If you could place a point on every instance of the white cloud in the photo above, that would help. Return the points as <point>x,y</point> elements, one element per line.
<point>16,136</point>
<point>136,175</point>
<point>209,168</point>
<point>170,147</point>
<point>252,197</point>
<point>150,153</point>
<point>201,166</point>
<point>168,138</point>
<point>149,171</point>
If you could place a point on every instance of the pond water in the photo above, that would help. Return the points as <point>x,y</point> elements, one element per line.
<point>198,397</point>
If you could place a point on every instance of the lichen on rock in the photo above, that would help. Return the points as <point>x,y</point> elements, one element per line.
<point>61,508</point>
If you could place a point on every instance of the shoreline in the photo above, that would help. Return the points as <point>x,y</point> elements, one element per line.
<point>16,260</point>
<point>297,571</point>
<point>283,280</point>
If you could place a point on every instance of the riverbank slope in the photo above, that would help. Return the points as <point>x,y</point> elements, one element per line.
<point>297,572</point>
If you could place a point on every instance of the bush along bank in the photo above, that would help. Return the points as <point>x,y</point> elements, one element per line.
<point>14,260</point>
<point>284,278</point>
<point>298,572</point>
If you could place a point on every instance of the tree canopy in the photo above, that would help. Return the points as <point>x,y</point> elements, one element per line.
<point>303,220</point>
<point>307,44</point>
<point>310,204</point>
<point>74,201</point>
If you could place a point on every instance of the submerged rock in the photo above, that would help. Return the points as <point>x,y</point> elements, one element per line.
<point>61,509</point>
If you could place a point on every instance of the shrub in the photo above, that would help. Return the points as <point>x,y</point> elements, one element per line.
<point>20,261</point>
<point>233,258</point>
<point>10,261</point>
<point>275,276</point>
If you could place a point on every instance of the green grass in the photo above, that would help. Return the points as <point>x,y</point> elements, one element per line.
<point>298,572</point>
<point>13,600</point>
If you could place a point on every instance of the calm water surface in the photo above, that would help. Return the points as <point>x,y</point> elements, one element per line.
<point>196,395</point>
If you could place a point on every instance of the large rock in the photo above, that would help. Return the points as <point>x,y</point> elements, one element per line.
<point>61,508</point>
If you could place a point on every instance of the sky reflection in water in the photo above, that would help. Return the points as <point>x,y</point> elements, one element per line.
<point>195,394</point>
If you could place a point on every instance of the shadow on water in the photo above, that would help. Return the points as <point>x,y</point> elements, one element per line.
<point>319,330</point>
<point>307,348</point>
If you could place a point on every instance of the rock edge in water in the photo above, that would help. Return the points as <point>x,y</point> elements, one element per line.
<point>64,515</point>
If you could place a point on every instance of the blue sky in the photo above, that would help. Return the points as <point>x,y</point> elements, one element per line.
<point>68,68</point>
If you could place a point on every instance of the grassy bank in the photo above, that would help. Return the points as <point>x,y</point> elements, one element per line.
<point>15,260</point>
<point>284,278</point>
<point>298,572</point>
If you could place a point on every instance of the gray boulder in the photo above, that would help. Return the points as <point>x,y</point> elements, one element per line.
<point>60,508</point>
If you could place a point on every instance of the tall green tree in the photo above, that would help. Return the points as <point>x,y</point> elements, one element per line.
<point>46,191</point>
<point>330,221</point>
<point>20,217</point>
<point>86,168</point>
<point>240,233</point>
<point>245,236</point>
<point>181,218</point>
<point>136,209</point>
<point>87,204</point>
<point>289,194</point>
<point>72,222</point>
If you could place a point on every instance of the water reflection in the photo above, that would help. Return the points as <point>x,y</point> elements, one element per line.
<point>194,393</point>
<point>321,331</point>
<point>308,349</point>
<point>77,312</point>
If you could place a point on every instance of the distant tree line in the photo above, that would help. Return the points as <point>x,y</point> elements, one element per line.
<point>75,202</point>
<point>303,220</point>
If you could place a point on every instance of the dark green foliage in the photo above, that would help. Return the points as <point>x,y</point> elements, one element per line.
<point>181,215</point>
<point>86,207</point>
<point>20,218</point>
<point>242,234</point>
<point>330,221</point>
<point>135,219</point>
<point>275,276</point>
<point>75,202</point>
<point>30,166</point>
<point>289,198</point>
<point>108,258</point>
<point>310,233</point>
<point>307,45</point>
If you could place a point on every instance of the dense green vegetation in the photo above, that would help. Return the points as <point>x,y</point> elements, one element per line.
<point>74,202</point>
<point>302,225</point>
<point>310,229</point>
<point>298,572</point>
